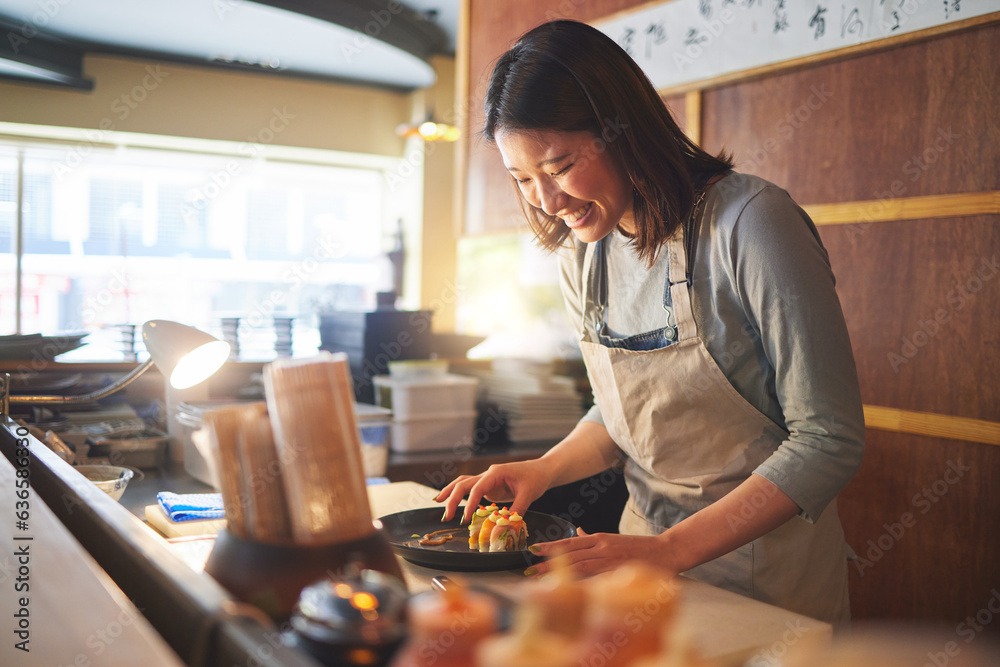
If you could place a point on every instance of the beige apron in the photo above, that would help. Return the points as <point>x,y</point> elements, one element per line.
<point>691,439</point>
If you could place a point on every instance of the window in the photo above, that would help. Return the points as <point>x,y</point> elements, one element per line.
<point>122,235</point>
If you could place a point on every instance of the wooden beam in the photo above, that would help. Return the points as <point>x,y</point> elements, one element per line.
<point>462,104</point>
<point>692,114</point>
<point>905,208</point>
<point>931,424</point>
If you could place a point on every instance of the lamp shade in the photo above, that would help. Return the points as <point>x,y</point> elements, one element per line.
<point>185,355</point>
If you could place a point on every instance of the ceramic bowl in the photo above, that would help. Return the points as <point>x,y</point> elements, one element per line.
<point>110,479</point>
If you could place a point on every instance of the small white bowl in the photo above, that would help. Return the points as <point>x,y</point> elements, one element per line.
<point>112,480</point>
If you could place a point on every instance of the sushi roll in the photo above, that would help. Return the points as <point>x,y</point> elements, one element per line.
<point>504,536</point>
<point>520,528</point>
<point>487,530</point>
<point>478,517</point>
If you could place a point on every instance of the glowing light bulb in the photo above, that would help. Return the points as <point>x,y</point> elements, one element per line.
<point>199,364</point>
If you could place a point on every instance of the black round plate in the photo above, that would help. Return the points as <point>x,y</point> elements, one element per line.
<point>455,554</point>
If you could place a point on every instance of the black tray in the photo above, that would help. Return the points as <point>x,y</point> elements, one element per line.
<point>455,554</point>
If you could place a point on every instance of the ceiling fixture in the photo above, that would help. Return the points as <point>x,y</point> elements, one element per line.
<point>26,53</point>
<point>383,43</point>
<point>430,130</point>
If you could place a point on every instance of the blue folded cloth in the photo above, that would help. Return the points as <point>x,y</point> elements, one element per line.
<point>191,506</point>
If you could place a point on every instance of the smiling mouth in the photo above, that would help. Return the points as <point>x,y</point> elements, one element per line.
<point>577,214</point>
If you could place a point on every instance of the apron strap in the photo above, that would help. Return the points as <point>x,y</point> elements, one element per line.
<point>680,292</point>
<point>678,281</point>
<point>588,292</point>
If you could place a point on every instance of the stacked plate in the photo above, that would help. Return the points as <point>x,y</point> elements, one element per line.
<point>538,405</point>
<point>36,347</point>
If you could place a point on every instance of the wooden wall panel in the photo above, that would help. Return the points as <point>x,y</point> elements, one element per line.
<point>913,121</point>
<point>917,120</point>
<point>676,104</point>
<point>921,515</point>
<point>849,130</point>
<point>491,203</point>
<point>922,300</point>
<point>921,297</point>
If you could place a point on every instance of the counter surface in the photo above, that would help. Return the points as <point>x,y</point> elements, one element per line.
<point>721,624</point>
<point>70,611</point>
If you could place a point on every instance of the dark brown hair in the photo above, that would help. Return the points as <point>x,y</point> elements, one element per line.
<point>567,76</point>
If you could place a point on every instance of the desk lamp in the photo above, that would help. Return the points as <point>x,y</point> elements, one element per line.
<point>185,356</point>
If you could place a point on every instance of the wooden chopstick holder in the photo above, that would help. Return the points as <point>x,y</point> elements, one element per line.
<point>311,403</point>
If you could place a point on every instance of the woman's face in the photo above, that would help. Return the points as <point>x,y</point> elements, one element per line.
<point>570,175</point>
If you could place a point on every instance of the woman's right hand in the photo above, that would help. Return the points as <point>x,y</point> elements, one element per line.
<point>586,451</point>
<point>519,483</point>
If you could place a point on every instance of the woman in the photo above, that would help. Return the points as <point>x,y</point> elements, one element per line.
<point>712,334</point>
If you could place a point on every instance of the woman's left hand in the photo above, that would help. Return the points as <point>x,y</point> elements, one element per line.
<point>587,554</point>
<point>703,536</point>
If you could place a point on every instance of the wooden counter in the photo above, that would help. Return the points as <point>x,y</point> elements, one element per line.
<point>181,602</point>
<point>723,625</point>
<point>92,556</point>
<point>72,613</point>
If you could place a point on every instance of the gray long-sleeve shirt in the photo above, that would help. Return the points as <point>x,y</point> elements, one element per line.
<point>765,306</point>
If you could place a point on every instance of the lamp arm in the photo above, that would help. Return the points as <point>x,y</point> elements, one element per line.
<point>6,399</point>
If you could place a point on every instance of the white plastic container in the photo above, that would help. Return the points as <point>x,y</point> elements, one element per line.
<point>425,397</point>
<point>433,432</point>
<point>374,424</point>
<point>199,455</point>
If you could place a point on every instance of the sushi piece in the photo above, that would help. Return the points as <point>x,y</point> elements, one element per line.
<point>520,528</point>
<point>504,536</point>
<point>487,530</point>
<point>478,517</point>
<point>474,534</point>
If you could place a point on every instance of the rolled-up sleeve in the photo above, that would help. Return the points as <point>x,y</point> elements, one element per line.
<point>786,285</point>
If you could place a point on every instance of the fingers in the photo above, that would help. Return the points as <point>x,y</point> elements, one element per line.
<point>451,506</point>
<point>496,484</point>
<point>446,491</point>
<point>476,494</point>
<point>581,569</point>
<point>523,497</point>
<point>520,505</point>
<point>586,555</point>
<point>566,547</point>
<point>453,494</point>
